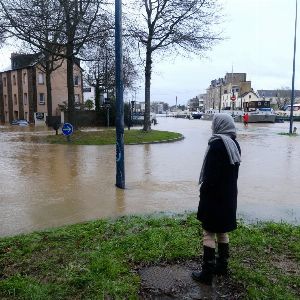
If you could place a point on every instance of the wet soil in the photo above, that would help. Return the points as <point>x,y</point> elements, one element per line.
<point>173,281</point>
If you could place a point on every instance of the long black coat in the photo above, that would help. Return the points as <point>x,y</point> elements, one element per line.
<point>218,192</point>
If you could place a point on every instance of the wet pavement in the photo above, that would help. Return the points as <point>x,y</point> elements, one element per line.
<point>173,281</point>
<point>43,186</point>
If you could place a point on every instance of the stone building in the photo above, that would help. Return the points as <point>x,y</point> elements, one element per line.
<point>23,89</point>
<point>225,92</point>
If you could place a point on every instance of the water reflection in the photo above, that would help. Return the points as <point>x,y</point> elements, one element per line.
<point>51,185</point>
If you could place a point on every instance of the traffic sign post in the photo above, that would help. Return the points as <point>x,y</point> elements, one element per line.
<point>67,130</point>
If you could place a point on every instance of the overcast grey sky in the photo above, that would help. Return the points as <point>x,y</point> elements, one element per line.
<point>260,43</point>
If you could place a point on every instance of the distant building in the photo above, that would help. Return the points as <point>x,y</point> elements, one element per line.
<point>279,97</point>
<point>193,104</point>
<point>23,89</point>
<point>157,107</point>
<point>225,92</point>
<point>89,94</point>
<point>197,103</point>
<point>246,98</point>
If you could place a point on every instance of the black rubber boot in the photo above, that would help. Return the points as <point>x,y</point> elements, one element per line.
<point>222,259</point>
<point>207,273</point>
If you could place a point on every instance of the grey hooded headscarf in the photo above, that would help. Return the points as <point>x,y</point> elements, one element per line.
<point>223,128</point>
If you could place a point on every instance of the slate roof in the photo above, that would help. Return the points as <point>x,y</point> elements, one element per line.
<point>246,93</point>
<point>20,61</point>
<point>276,93</point>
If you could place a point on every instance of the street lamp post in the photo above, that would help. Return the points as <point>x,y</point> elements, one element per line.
<point>293,79</point>
<point>107,106</point>
<point>220,99</point>
<point>132,107</point>
<point>120,170</point>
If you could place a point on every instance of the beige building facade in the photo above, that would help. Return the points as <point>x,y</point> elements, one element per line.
<point>23,89</point>
<point>225,92</point>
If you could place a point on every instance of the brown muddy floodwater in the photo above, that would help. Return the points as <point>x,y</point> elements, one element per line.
<point>43,186</point>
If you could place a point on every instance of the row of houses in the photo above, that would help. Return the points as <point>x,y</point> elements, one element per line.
<point>23,89</point>
<point>234,91</point>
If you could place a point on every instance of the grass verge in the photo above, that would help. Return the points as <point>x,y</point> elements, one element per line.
<point>97,260</point>
<point>108,137</point>
<point>288,134</point>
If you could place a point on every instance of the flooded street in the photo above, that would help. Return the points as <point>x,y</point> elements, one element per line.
<point>42,186</point>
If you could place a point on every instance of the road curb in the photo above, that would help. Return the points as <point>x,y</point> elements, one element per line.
<point>159,142</point>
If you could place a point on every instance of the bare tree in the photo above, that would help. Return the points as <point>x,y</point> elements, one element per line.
<point>283,96</point>
<point>60,29</point>
<point>181,27</point>
<point>99,62</point>
<point>2,30</point>
<point>80,18</point>
<point>99,59</point>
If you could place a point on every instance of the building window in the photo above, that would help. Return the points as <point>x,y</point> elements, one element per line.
<point>24,78</point>
<point>26,115</point>
<point>76,80</point>
<point>25,99</point>
<point>41,78</point>
<point>42,99</point>
<point>4,81</point>
<point>15,99</point>
<point>5,100</point>
<point>249,96</point>
<point>14,80</point>
<point>87,90</point>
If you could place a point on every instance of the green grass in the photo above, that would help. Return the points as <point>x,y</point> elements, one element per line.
<point>97,259</point>
<point>108,137</point>
<point>288,134</point>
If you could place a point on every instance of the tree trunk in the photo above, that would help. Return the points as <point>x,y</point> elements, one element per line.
<point>148,71</point>
<point>70,86</point>
<point>97,95</point>
<point>49,88</point>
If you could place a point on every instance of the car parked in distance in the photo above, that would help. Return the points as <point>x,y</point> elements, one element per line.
<point>20,122</point>
<point>138,118</point>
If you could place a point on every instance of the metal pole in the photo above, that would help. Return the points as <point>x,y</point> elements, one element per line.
<point>107,114</point>
<point>220,99</point>
<point>293,80</point>
<point>120,170</point>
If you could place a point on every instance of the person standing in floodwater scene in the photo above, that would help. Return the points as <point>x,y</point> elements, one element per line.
<point>246,119</point>
<point>218,197</point>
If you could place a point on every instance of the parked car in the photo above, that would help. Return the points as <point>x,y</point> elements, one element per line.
<point>138,118</point>
<point>20,122</point>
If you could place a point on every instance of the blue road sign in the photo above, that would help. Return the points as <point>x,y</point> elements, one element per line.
<point>67,129</point>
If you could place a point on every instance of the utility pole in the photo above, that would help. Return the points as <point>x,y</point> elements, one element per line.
<point>120,170</point>
<point>293,79</point>
<point>220,98</point>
